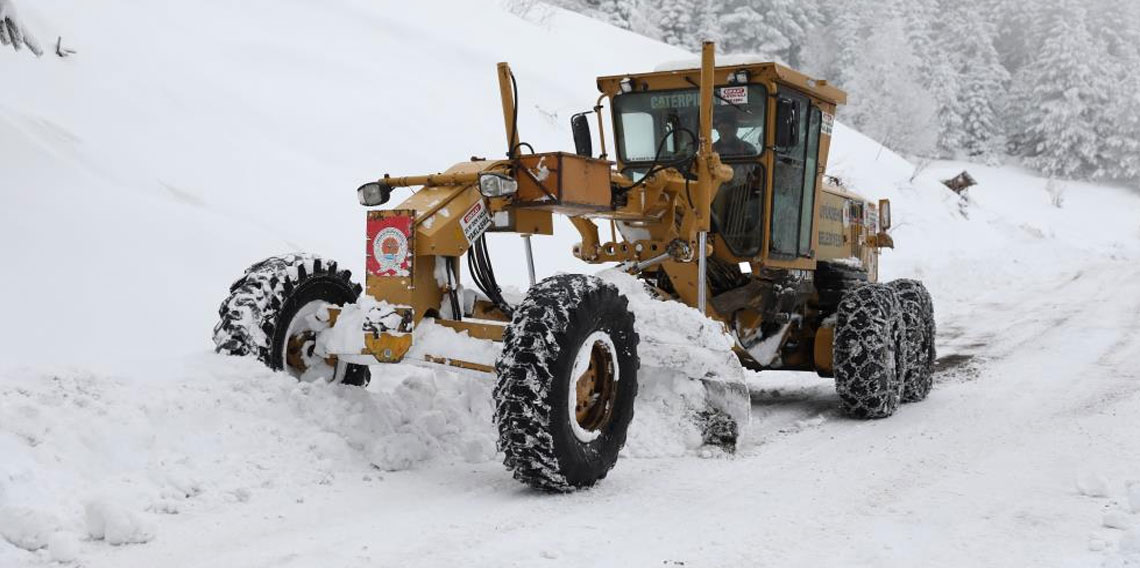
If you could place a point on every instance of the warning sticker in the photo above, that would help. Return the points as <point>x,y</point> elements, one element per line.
<point>732,95</point>
<point>390,243</point>
<point>475,221</point>
<point>828,123</point>
<point>872,220</point>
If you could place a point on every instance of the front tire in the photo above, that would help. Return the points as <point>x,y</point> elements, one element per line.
<point>567,379</point>
<point>869,351</point>
<point>269,315</point>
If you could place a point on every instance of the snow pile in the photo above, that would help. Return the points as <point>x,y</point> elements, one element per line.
<point>104,456</point>
<point>678,348</point>
<point>433,414</point>
<point>117,525</point>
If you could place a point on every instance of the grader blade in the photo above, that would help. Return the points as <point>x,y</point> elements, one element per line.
<point>732,400</point>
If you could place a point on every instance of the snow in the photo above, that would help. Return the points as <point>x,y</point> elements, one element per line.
<point>1092,484</point>
<point>63,547</point>
<point>26,528</point>
<point>1118,519</point>
<point>115,524</point>
<point>432,339</point>
<point>721,61</point>
<point>125,442</point>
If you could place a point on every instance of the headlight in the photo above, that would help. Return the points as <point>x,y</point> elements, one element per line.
<point>373,193</point>
<point>497,185</point>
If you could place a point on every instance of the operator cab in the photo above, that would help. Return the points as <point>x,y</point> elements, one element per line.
<point>765,129</point>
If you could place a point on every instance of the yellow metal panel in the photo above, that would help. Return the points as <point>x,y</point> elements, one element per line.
<point>558,181</point>
<point>760,72</point>
<point>824,346</point>
<point>489,331</point>
<point>831,229</point>
<point>388,348</point>
<point>459,363</point>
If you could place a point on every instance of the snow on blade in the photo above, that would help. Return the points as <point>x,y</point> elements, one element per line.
<point>679,347</point>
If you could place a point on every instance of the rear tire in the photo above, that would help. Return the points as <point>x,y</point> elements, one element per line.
<point>918,315</point>
<point>270,300</point>
<point>869,351</point>
<point>567,379</point>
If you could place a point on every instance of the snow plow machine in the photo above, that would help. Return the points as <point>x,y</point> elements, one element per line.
<point>716,197</point>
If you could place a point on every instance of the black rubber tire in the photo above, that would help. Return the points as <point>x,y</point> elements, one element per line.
<point>918,316</point>
<point>833,280</point>
<point>254,318</point>
<point>531,394</point>
<point>869,351</point>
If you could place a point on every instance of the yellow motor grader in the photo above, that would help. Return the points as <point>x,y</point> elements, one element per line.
<point>715,196</point>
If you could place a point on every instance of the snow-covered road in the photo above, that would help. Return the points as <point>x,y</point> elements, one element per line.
<point>1042,399</point>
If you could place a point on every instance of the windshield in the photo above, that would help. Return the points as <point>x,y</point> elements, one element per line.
<point>663,125</point>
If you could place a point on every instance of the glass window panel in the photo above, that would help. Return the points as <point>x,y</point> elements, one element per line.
<point>638,129</point>
<point>788,185</point>
<point>671,120</point>
<point>811,171</point>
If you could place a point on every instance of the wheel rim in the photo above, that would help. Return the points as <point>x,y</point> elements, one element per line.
<point>299,356</point>
<point>593,387</point>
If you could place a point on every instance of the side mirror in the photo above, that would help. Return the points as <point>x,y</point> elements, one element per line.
<point>373,193</point>
<point>787,124</point>
<point>884,214</point>
<point>583,141</point>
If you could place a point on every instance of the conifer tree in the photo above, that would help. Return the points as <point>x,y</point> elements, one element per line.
<point>677,24</point>
<point>707,24</point>
<point>740,27</point>
<point>1060,96</point>
<point>972,118</point>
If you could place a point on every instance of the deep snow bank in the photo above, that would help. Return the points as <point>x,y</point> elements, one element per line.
<point>101,456</point>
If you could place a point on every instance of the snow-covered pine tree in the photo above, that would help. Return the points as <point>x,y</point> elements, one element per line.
<point>887,100</point>
<point>1119,25</point>
<point>926,32</point>
<point>853,24</point>
<point>1060,96</point>
<point>1019,29</point>
<point>784,28</point>
<point>617,12</point>
<point>707,24</point>
<point>971,119</point>
<point>677,22</point>
<point>645,19</point>
<point>820,50</point>
<point>740,26</point>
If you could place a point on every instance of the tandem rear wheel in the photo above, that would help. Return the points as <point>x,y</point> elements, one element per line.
<point>884,347</point>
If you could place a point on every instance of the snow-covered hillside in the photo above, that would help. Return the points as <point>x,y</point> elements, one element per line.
<point>146,171</point>
<point>140,176</point>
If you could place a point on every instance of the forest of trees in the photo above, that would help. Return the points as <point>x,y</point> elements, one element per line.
<point>1053,83</point>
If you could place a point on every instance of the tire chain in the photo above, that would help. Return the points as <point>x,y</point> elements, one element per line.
<point>869,362</point>
<point>918,316</point>
<point>248,315</point>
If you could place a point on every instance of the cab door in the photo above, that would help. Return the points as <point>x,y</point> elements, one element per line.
<point>794,174</point>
